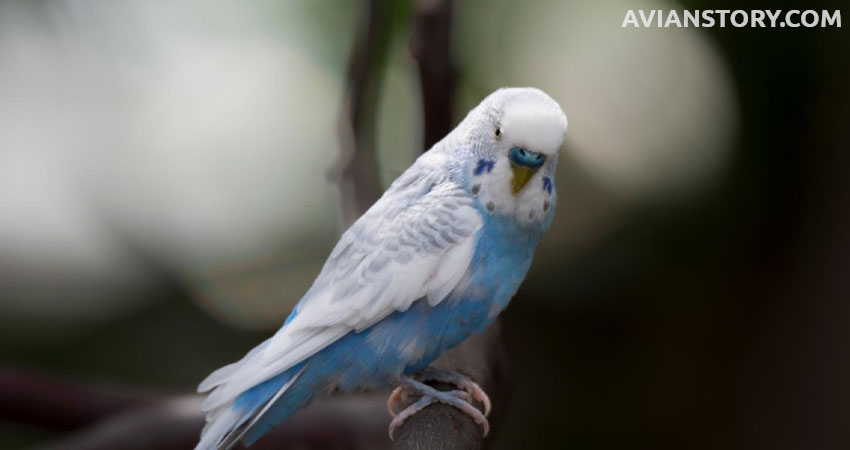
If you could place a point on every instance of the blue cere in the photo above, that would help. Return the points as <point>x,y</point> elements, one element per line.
<point>525,158</point>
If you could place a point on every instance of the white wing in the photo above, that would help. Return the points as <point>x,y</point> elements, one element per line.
<point>416,242</point>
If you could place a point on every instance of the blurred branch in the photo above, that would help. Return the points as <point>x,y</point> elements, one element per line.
<point>124,419</point>
<point>55,404</point>
<point>341,422</point>
<point>431,48</point>
<point>358,172</point>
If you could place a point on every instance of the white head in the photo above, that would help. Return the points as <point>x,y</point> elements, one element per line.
<point>515,135</point>
<point>529,119</point>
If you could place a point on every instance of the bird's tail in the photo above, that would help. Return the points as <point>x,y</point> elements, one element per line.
<point>250,415</point>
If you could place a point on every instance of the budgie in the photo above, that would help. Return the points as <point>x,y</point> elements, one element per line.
<point>433,261</point>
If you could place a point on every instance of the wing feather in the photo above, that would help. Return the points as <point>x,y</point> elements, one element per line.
<point>416,242</point>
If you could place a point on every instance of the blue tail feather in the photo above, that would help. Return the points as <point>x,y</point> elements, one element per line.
<point>256,400</point>
<point>296,397</point>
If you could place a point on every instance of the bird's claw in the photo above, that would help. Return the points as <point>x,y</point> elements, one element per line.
<point>398,419</point>
<point>395,399</point>
<point>399,397</point>
<point>459,399</point>
<point>459,380</point>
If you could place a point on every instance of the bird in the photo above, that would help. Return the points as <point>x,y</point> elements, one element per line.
<point>433,261</point>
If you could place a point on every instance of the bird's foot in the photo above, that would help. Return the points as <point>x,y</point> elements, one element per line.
<point>401,396</point>
<point>460,399</point>
<point>461,381</point>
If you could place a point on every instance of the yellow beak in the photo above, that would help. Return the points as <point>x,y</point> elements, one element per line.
<point>521,177</point>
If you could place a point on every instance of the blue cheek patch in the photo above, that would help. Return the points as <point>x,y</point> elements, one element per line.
<point>547,185</point>
<point>483,164</point>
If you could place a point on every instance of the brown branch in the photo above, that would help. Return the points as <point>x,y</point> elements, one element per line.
<point>356,422</point>
<point>124,418</point>
<point>55,404</point>
<point>431,47</point>
<point>358,173</point>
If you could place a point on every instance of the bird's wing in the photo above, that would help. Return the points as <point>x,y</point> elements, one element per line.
<point>416,242</point>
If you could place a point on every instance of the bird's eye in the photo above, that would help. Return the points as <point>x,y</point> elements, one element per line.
<point>525,158</point>
<point>498,132</point>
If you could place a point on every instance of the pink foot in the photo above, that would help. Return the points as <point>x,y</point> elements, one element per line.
<point>459,399</point>
<point>463,382</point>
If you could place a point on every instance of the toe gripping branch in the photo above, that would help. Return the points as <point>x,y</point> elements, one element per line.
<point>461,398</point>
<point>420,422</point>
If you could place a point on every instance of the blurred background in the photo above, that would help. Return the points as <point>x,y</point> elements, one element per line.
<point>169,189</point>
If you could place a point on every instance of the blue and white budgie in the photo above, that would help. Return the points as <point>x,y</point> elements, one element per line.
<point>433,261</point>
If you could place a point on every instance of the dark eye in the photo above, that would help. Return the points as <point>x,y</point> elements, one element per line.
<point>525,158</point>
<point>498,132</point>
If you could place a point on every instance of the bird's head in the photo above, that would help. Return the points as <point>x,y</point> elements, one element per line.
<point>516,134</point>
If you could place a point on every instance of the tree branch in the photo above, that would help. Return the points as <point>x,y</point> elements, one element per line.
<point>355,422</point>
<point>55,404</point>
<point>358,167</point>
<point>432,50</point>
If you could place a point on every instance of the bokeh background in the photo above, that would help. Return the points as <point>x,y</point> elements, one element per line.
<point>167,193</point>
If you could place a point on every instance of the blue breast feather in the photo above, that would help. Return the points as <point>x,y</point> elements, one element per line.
<point>407,341</point>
